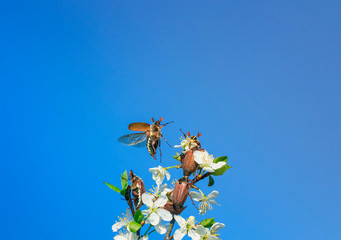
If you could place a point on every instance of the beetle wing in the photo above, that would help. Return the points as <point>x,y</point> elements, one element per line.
<point>139,126</point>
<point>133,139</point>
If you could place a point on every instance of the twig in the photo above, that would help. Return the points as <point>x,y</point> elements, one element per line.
<point>199,177</point>
<point>169,230</point>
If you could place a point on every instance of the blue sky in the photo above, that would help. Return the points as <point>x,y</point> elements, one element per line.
<point>259,79</point>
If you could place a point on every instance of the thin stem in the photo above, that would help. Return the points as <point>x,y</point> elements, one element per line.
<point>150,226</point>
<point>166,168</point>
<point>151,232</point>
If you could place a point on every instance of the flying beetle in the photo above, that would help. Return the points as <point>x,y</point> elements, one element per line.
<point>151,133</point>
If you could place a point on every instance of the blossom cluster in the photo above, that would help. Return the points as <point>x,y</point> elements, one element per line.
<point>163,205</point>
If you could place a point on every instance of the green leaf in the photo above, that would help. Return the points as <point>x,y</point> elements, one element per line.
<point>116,189</point>
<point>177,157</point>
<point>124,180</point>
<point>210,181</point>
<point>207,223</point>
<point>138,217</point>
<point>221,159</point>
<point>134,226</point>
<point>223,169</point>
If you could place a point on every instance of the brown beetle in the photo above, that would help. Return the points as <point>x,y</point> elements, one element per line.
<point>151,133</point>
<point>187,159</point>
<point>137,188</point>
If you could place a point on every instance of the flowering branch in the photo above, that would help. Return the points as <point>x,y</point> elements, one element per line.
<point>163,205</point>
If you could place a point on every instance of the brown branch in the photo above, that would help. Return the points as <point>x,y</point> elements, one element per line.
<point>169,230</point>
<point>199,177</point>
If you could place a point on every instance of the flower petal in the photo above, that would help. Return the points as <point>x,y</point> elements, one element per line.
<point>179,234</point>
<point>154,219</point>
<point>164,214</point>
<point>117,226</point>
<point>194,235</point>
<point>217,226</point>
<point>180,220</point>
<point>160,229</point>
<point>218,165</point>
<point>167,175</point>
<point>160,202</point>
<point>196,196</point>
<point>147,199</point>
<point>202,230</point>
<point>198,156</point>
<point>211,237</point>
<point>213,202</point>
<point>208,168</point>
<point>213,194</point>
<point>128,215</point>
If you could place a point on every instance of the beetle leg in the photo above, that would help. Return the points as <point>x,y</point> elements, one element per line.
<point>160,150</point>
<point>165,140</point>
<point>192,201</point>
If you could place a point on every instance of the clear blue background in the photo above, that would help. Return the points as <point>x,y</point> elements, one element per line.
<point>259,79</point>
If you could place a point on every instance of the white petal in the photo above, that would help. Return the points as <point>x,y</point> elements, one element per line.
<point>147,199</point>
<point>217,226</point>
<point>177,146</point>
<point>202,230</point>
<point>119,237</point>
<point>196,196</point>
<point>208,169</point>
<point>213,194</point>
<point>154,219</point>
<point>117,226</point>
<point>218,165</point>
<point>146,212</point>
<point>153,170</point>
<point>211,237</point>
<point>194,235</point>
<point>179,234</point>
<point>159,179</point>
<point>213,202</point>
<point>198,156</point>
<point>180,220</point>
<point>164,214</point>
<point>160,202</point>
<point>128,214</point>
<point>160,229</point>
<point>168,175</point>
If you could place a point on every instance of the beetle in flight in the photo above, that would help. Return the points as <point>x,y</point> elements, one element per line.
<point>148,132</point>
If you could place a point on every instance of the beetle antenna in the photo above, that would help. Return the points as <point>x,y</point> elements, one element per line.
<point>166,124</point>
<point>183,133</point>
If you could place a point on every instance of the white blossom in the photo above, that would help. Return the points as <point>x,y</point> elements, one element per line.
<point>159,174</point>
<point>212,234</point>
<point>205,201</point>
<point>123,221</point>
<point>126,236</point>
<point>186,145</point>
<point>205,161</point>
<point>161,190</point>
<point>155,211</point>
<point>186,227</point>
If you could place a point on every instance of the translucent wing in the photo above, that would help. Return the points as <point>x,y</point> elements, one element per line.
<point>133,139</point>
<point>139,126</point>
